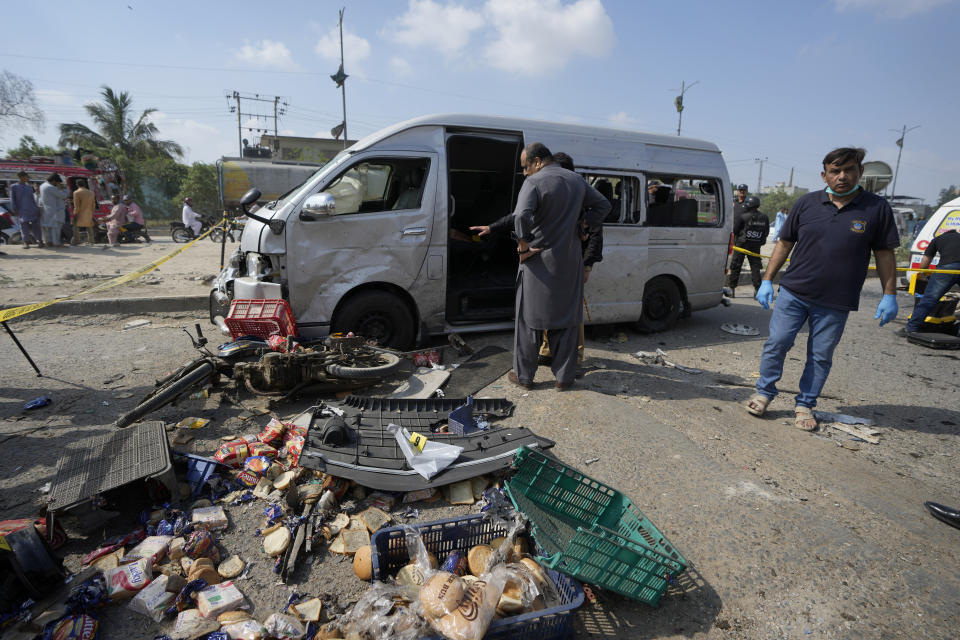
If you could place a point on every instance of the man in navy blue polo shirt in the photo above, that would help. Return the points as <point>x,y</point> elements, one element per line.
<point>831,233</point>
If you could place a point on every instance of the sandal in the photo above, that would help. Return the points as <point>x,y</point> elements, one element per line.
<point>757,404</point>
<point>804,419</point>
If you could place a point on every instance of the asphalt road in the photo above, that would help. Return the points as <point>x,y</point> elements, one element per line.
<point>789,534</point>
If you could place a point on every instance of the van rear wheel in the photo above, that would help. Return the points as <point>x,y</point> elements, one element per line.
<point>379,316</point>
<point>661,305</point>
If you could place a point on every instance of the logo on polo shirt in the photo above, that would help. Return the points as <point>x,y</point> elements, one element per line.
<point>858,226</point>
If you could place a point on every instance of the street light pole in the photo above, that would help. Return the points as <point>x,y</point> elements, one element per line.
<point>903,134</point>
<point>678,102</point>
<point>343,86</point>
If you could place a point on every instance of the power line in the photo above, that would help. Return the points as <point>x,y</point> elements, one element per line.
<point>278,111</point>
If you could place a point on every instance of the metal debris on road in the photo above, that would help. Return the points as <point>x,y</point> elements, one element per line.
<point>826,416</point>
<point>739,329</point>
<point>660,357</point>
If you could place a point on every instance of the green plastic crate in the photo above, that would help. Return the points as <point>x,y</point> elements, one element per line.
<point>590,531</point>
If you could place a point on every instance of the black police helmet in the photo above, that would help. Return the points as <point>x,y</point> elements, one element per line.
<point>751,202</point>
<point>742,187</point>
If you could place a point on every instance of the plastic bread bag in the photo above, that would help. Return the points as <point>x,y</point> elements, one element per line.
<point>153,548</point>
<point>126,580</point>
<point>153,599</point>
<point>284,627</point>
<point>506,550</point>
<point>525,588</point>
<point>465,608</point>
<point>425,561</point>
<point>245,630</point>
<point>426,457</point>
<point>385,612</point>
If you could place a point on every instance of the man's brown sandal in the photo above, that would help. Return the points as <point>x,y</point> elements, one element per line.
<point>804,419</point>
<point>757,404</point>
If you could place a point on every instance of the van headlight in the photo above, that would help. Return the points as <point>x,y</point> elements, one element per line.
<point>256,265</point>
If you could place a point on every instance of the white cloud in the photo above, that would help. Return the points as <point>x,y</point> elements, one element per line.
<point>52,97</point>
<point>356,49</point>
<point>266,53</point>
<point>622,119</point>
<point>400,67</point>
<point>541,36</point>
<point>201,142</point>
<point>890,8</point>
<point>446,28</point>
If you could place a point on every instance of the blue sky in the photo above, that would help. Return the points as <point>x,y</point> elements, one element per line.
<point>786,81</point>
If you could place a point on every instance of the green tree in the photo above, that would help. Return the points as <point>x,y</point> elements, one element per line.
<point>153,183</point>
<point>948,194</point>
<point>200,184</point>
<point>770,203</point>
<point>28,146</point>
<point>117,133</point>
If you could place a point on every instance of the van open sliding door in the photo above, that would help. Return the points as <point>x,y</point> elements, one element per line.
<point>483,178</point>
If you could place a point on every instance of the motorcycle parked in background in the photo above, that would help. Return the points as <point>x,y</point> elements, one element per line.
<point>233,225</point>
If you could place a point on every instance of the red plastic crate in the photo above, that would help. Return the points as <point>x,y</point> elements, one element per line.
<point>261,318</point>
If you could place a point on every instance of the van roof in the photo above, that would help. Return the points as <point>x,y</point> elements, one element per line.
<point>530,128</point>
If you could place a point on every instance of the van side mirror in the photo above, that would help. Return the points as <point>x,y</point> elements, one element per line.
<point>318,204</point>
<point>250,197</point>
<point>707,188</point>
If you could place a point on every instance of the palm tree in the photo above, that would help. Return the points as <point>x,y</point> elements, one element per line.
<point>117,131</point>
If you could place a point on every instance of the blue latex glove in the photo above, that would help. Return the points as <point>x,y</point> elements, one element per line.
<point>765,294</point>
<point>887,309</point>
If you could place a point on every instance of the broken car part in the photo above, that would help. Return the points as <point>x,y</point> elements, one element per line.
<point>370,454</point>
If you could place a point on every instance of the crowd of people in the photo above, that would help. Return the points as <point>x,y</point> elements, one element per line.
<point>44,214</point>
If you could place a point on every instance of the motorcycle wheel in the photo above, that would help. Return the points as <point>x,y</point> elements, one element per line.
<point>216,236</point>
<point>198,372</point>
<point>389,364</point>
<point>181,235</point>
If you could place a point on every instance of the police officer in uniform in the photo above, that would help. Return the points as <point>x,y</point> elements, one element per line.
<point>750,229</point>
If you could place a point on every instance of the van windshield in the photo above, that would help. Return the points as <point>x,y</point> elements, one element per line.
<point>294,192</point>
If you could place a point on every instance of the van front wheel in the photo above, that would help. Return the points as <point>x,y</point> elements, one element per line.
<point>661,305</point>
<point>379,316</point>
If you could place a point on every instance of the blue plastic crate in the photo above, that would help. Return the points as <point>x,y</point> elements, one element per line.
<point>443,536</point>
<point>199,470</point>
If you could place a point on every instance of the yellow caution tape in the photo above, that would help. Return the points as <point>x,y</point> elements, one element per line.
<point>4,544</point>
<point>417,440</point>
<point>915,270</point>
<point>16,312</point>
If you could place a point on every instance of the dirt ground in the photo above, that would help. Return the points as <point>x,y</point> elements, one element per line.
<point>789,534</point>
<point>34,275</point>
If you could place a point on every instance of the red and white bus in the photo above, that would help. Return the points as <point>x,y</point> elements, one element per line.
<point>103,178</point>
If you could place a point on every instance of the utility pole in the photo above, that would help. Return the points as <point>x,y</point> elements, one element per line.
<point>239,126</point>
<point>678,101</point>
<point>278,110</point>
<point>903,134</point>
<point>340,78</point>
<point>760,175</point>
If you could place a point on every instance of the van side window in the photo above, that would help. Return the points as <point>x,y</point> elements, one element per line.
<point>380,184</point>
<point>681,201</point>
<point>620,191</point>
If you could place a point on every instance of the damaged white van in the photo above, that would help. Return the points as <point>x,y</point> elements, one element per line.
<point>378,241</point>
